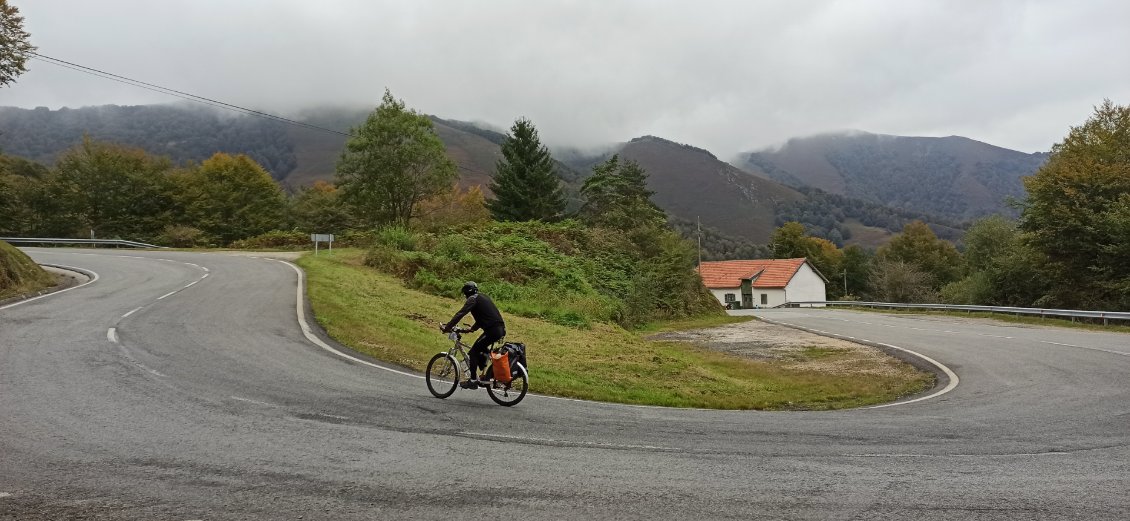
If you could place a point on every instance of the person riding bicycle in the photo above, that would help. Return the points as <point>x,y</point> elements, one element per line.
<point>488,319</point>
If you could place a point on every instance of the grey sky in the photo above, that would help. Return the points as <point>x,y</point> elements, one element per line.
<point>726,76</point>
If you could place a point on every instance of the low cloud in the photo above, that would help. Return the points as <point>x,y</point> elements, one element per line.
<point>726,76</point>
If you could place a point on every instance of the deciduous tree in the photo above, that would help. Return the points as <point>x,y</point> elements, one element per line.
<point>918,246</point>
<point>232,197</point>
<point>1076,208</point>
<point>113,191</point>
<point>15,45</point>
<point>393,161</point>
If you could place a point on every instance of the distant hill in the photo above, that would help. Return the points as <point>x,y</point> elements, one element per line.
<point>183,133</point>
<point>691,183</point>
<point>737,209</point>
<point>952,177</point>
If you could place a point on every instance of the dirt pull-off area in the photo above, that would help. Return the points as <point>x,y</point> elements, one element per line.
<point>792,348</point>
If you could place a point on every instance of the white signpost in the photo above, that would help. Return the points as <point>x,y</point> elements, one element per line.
<point>322,237</point>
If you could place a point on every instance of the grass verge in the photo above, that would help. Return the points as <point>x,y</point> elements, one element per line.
<point>376,314</point>
<point>19,275</point>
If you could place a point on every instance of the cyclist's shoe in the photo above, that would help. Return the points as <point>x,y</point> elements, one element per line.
<point>469,384</point>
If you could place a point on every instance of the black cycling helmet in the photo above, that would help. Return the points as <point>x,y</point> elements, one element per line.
<point>470,288</point>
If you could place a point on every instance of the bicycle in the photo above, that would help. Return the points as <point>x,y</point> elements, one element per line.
<point>445,370</point>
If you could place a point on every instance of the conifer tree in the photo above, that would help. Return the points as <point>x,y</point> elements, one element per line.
<point>525,186</point>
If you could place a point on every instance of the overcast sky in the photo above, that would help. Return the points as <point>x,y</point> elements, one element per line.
<point>726,76</point>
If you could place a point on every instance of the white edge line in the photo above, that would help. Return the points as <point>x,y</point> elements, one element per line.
<point>317,341</point>
<point>112,335</point>
<point>93,277</point>
<point>306,330</point>
<point>309,334</point>
<point>953,379</point>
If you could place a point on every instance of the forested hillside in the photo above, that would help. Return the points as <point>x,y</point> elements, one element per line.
<point>951,177</point>
<point>738,209</point>
<point>182,133</point>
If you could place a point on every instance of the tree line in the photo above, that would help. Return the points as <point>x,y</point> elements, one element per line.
<point>1068,248</point>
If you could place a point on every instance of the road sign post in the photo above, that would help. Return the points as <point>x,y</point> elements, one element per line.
<point>327,238</point>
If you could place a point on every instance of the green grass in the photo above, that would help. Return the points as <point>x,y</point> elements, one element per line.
<point>376,314</point>
<point>19,275</point>
<point>1113,327</point>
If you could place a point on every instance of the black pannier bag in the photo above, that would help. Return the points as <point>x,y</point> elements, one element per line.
<point>517,352</point>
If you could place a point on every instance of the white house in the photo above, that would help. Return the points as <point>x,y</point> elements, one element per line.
<point>763,283</point>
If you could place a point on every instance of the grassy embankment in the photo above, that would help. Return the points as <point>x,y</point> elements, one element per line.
<point>19,275</point>
<point>375,313</point>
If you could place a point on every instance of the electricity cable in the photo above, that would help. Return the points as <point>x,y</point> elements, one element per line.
<point>179,94</point>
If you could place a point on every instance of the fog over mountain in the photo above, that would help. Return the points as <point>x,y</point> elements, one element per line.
<point>730,76</point>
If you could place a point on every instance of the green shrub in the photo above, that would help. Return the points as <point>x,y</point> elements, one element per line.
<point>564,272</point>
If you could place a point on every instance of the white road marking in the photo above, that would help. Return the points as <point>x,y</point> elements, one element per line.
<point>1085,347</point>
<point>953,380</point>
<point>549,441</point>
<point>93,277</point>
<point>169,294</point>
<point>112,335</point>
<point>256,402</point>
<point>5,494</point>
<point>309,333</point>
<point>191,284</point>
<point>1019,454</point>
<point>132,312</point>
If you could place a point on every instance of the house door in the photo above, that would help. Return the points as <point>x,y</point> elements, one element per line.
<point>747,294</point>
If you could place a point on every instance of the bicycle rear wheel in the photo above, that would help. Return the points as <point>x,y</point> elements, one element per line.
<point>513,392</point>
<point>442,375</point>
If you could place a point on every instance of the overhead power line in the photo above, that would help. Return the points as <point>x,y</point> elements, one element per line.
<point>179,94</point>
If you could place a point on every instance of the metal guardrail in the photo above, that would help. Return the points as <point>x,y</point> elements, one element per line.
<point>1105,316</point>
<point>97,242</point>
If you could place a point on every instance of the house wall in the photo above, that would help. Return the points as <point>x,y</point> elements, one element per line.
<point>774,296</point>
<point>805,285</point>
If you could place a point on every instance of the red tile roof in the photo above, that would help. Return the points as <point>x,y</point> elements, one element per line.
<point>766,273</point>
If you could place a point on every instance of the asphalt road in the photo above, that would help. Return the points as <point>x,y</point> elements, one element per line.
<point>180,386</point>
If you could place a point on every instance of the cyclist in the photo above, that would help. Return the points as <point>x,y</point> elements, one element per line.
<point>488,319</point>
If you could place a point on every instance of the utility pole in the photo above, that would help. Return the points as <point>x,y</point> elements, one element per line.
<point>699,218</point>
<point>845,281</point>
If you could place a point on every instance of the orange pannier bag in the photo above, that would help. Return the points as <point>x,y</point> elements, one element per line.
<point>500,364</point>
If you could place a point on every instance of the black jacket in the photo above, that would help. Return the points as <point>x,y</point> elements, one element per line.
<point>482,309</point>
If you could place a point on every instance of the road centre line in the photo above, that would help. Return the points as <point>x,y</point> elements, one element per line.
<point>169,294</point>
<point>112,335</point>
<point>549,441</point>
<point>135,310</point>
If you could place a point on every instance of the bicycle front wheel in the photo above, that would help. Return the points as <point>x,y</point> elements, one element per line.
<point>442,375</point>
<point>513,392</point>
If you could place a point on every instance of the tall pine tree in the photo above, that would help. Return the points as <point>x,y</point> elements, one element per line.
<point>525,186</point>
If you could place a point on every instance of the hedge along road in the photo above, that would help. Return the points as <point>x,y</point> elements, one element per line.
<point>180,386</point>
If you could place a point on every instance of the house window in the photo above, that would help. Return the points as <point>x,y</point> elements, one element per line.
<point>730,298</point>
<point>764,299</point>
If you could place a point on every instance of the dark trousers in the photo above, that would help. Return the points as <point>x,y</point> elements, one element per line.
<point>478,351</point>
